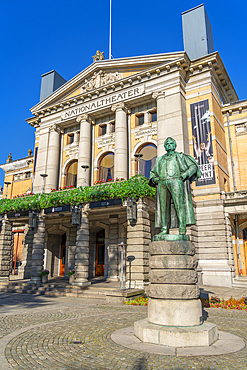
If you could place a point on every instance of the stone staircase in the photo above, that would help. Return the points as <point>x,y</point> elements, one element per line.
<point>61,287</point>
<point>240,282</point>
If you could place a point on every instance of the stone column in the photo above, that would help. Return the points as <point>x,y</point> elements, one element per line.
<point>84,149</point>
<point>111,243</point>
<point>51,181</point>
<point>6,247</point>
<point>161,129</point>
<point>82,252</point>
<point>24,271</point>
<point>121,147</point>
<point>41,161</point>
<point>138,239</point>
<point>38,250</point>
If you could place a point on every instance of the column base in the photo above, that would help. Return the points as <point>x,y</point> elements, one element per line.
<point>35,280</point>
<point>81,282</point>
<point>192,336</point>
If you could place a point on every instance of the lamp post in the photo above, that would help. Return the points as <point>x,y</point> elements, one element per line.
<point>7,183</point>
<point>138,156</point>
<point>122,248</point>
<point>43,175</point>
<point>85,167</point>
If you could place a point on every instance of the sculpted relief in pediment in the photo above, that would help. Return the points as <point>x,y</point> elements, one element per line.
<point>99,79</point>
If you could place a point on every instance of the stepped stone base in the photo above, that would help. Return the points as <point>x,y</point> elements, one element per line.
<point>192,336</point>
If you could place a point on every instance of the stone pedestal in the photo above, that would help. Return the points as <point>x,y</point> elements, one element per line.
<point>174,308</point>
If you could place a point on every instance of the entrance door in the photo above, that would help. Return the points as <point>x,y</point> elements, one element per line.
<point>63,254</point>
<point>100,254</point>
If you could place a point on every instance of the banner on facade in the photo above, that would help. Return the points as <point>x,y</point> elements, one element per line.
<point>202,142</point>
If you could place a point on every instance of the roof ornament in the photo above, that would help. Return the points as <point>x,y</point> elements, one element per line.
<point>9,159</point>
<point>98,56</point>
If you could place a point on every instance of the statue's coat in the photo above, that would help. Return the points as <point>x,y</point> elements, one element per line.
<point>186,164</point>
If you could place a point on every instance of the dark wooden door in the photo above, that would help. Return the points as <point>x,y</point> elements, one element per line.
<point>100,259</point>
<point>62,261</point>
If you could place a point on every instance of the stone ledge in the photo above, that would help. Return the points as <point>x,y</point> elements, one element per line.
<point>122,296</point>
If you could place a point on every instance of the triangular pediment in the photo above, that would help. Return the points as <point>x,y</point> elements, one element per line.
<point>105,72</point>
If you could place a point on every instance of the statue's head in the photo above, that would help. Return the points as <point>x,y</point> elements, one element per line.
<point>170,144</point>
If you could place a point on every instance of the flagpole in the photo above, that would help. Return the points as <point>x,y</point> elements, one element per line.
<point>110,34</point>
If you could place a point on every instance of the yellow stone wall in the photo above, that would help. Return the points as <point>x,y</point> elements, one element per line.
<point>18,187</point>
<point>239,145</point>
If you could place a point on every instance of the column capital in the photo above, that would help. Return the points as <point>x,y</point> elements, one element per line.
<point>55,128</point>
<point>158,94</point>
<point>83,117</point>
<point>118,106</point>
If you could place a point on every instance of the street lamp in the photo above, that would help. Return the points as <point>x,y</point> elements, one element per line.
<point>43,175</point>
<point>138,157</point>
<point>85,167</point>
<point>131,210</point>
<point>7,183</point>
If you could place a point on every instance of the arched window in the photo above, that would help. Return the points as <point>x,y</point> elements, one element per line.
<point>148,159</point>
<point>71,174</point>
<point>106,167</point>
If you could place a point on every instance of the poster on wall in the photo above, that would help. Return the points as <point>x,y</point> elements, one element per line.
<point>202,142</point>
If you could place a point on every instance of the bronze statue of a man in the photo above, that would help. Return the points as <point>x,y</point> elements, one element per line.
<point>172,174</point>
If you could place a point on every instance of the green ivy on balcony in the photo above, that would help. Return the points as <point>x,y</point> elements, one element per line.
<point>136,186</point>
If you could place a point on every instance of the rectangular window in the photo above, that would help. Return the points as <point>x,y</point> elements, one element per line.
<point>70,139</point>
<point>140,120</point>
<point>102,130</point>
<point>153,116</point>
<point>112,126</point>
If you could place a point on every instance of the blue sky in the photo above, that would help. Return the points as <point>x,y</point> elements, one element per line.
<point>38,36</point>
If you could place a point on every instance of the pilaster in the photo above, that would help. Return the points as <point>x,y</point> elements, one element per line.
<point>172,117</point>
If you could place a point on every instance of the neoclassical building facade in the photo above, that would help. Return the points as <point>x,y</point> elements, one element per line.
<point>109,122</point>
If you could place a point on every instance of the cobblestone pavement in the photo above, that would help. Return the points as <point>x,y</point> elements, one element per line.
<point>66,333</point>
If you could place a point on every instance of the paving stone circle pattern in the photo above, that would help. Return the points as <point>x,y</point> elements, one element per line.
<point>79,337</point>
